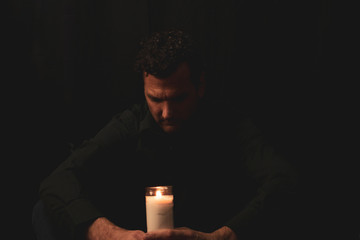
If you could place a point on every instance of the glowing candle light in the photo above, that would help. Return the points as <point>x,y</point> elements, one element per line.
<point>159,208</point>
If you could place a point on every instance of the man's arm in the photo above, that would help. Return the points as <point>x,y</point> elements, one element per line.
<point>275,181</point>
<point>103,229</point>
<point>65,191</point>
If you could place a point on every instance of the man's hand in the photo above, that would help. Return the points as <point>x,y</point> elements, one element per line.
<point>102,229</point>
<point>224,233</point>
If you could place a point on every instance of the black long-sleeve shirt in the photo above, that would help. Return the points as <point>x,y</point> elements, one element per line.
<point>221,168</point>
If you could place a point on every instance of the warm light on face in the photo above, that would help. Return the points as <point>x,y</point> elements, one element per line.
<point>172,100</point>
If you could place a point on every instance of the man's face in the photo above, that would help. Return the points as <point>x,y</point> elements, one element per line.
<point>174,99</point>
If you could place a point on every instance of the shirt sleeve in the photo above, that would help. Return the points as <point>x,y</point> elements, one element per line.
<point>64,192</point>
<point>275,179</point>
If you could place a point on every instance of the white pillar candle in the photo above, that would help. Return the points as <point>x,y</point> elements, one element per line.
<point>159,208</point>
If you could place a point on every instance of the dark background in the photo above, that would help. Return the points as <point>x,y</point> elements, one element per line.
<point>289,64</point>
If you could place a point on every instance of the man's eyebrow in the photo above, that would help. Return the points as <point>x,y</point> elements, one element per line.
<point>174,98</point>
<point>152,97</point>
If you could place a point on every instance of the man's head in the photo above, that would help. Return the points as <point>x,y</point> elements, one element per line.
<point>174,83</point>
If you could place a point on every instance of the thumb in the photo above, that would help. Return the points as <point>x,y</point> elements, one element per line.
<point>182,228</point>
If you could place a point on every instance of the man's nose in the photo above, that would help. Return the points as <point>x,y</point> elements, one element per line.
<point>167,111</point>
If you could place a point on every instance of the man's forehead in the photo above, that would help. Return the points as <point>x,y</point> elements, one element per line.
<point>174,83</point>
<point>164,93</point>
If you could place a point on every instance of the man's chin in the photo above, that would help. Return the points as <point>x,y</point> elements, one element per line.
<point>170,129</point>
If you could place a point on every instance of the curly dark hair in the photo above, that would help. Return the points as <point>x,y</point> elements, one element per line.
<point>162,52</point>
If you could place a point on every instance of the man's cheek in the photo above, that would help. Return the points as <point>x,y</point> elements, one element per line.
<point>154,112</point>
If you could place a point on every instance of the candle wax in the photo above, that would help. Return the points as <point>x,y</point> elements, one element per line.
<point>159,212</point>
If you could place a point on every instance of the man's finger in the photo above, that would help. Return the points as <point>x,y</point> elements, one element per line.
<point>171,234</point>
<point>182,228</point>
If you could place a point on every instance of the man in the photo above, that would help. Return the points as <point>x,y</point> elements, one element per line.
<point>228,183</point>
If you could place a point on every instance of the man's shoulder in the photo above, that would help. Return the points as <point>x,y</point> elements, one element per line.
<point>132,116</point>
<point>134,111</point>
<point>225,110</point>
<point>123,125</point>
<point>230,118</point>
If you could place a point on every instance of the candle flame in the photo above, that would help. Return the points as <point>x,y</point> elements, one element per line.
<point>158,193</point>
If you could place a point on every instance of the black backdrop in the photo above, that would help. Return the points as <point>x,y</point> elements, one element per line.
<point>283,62</point>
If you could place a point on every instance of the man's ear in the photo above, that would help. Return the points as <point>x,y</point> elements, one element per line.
<point>202,85</point>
